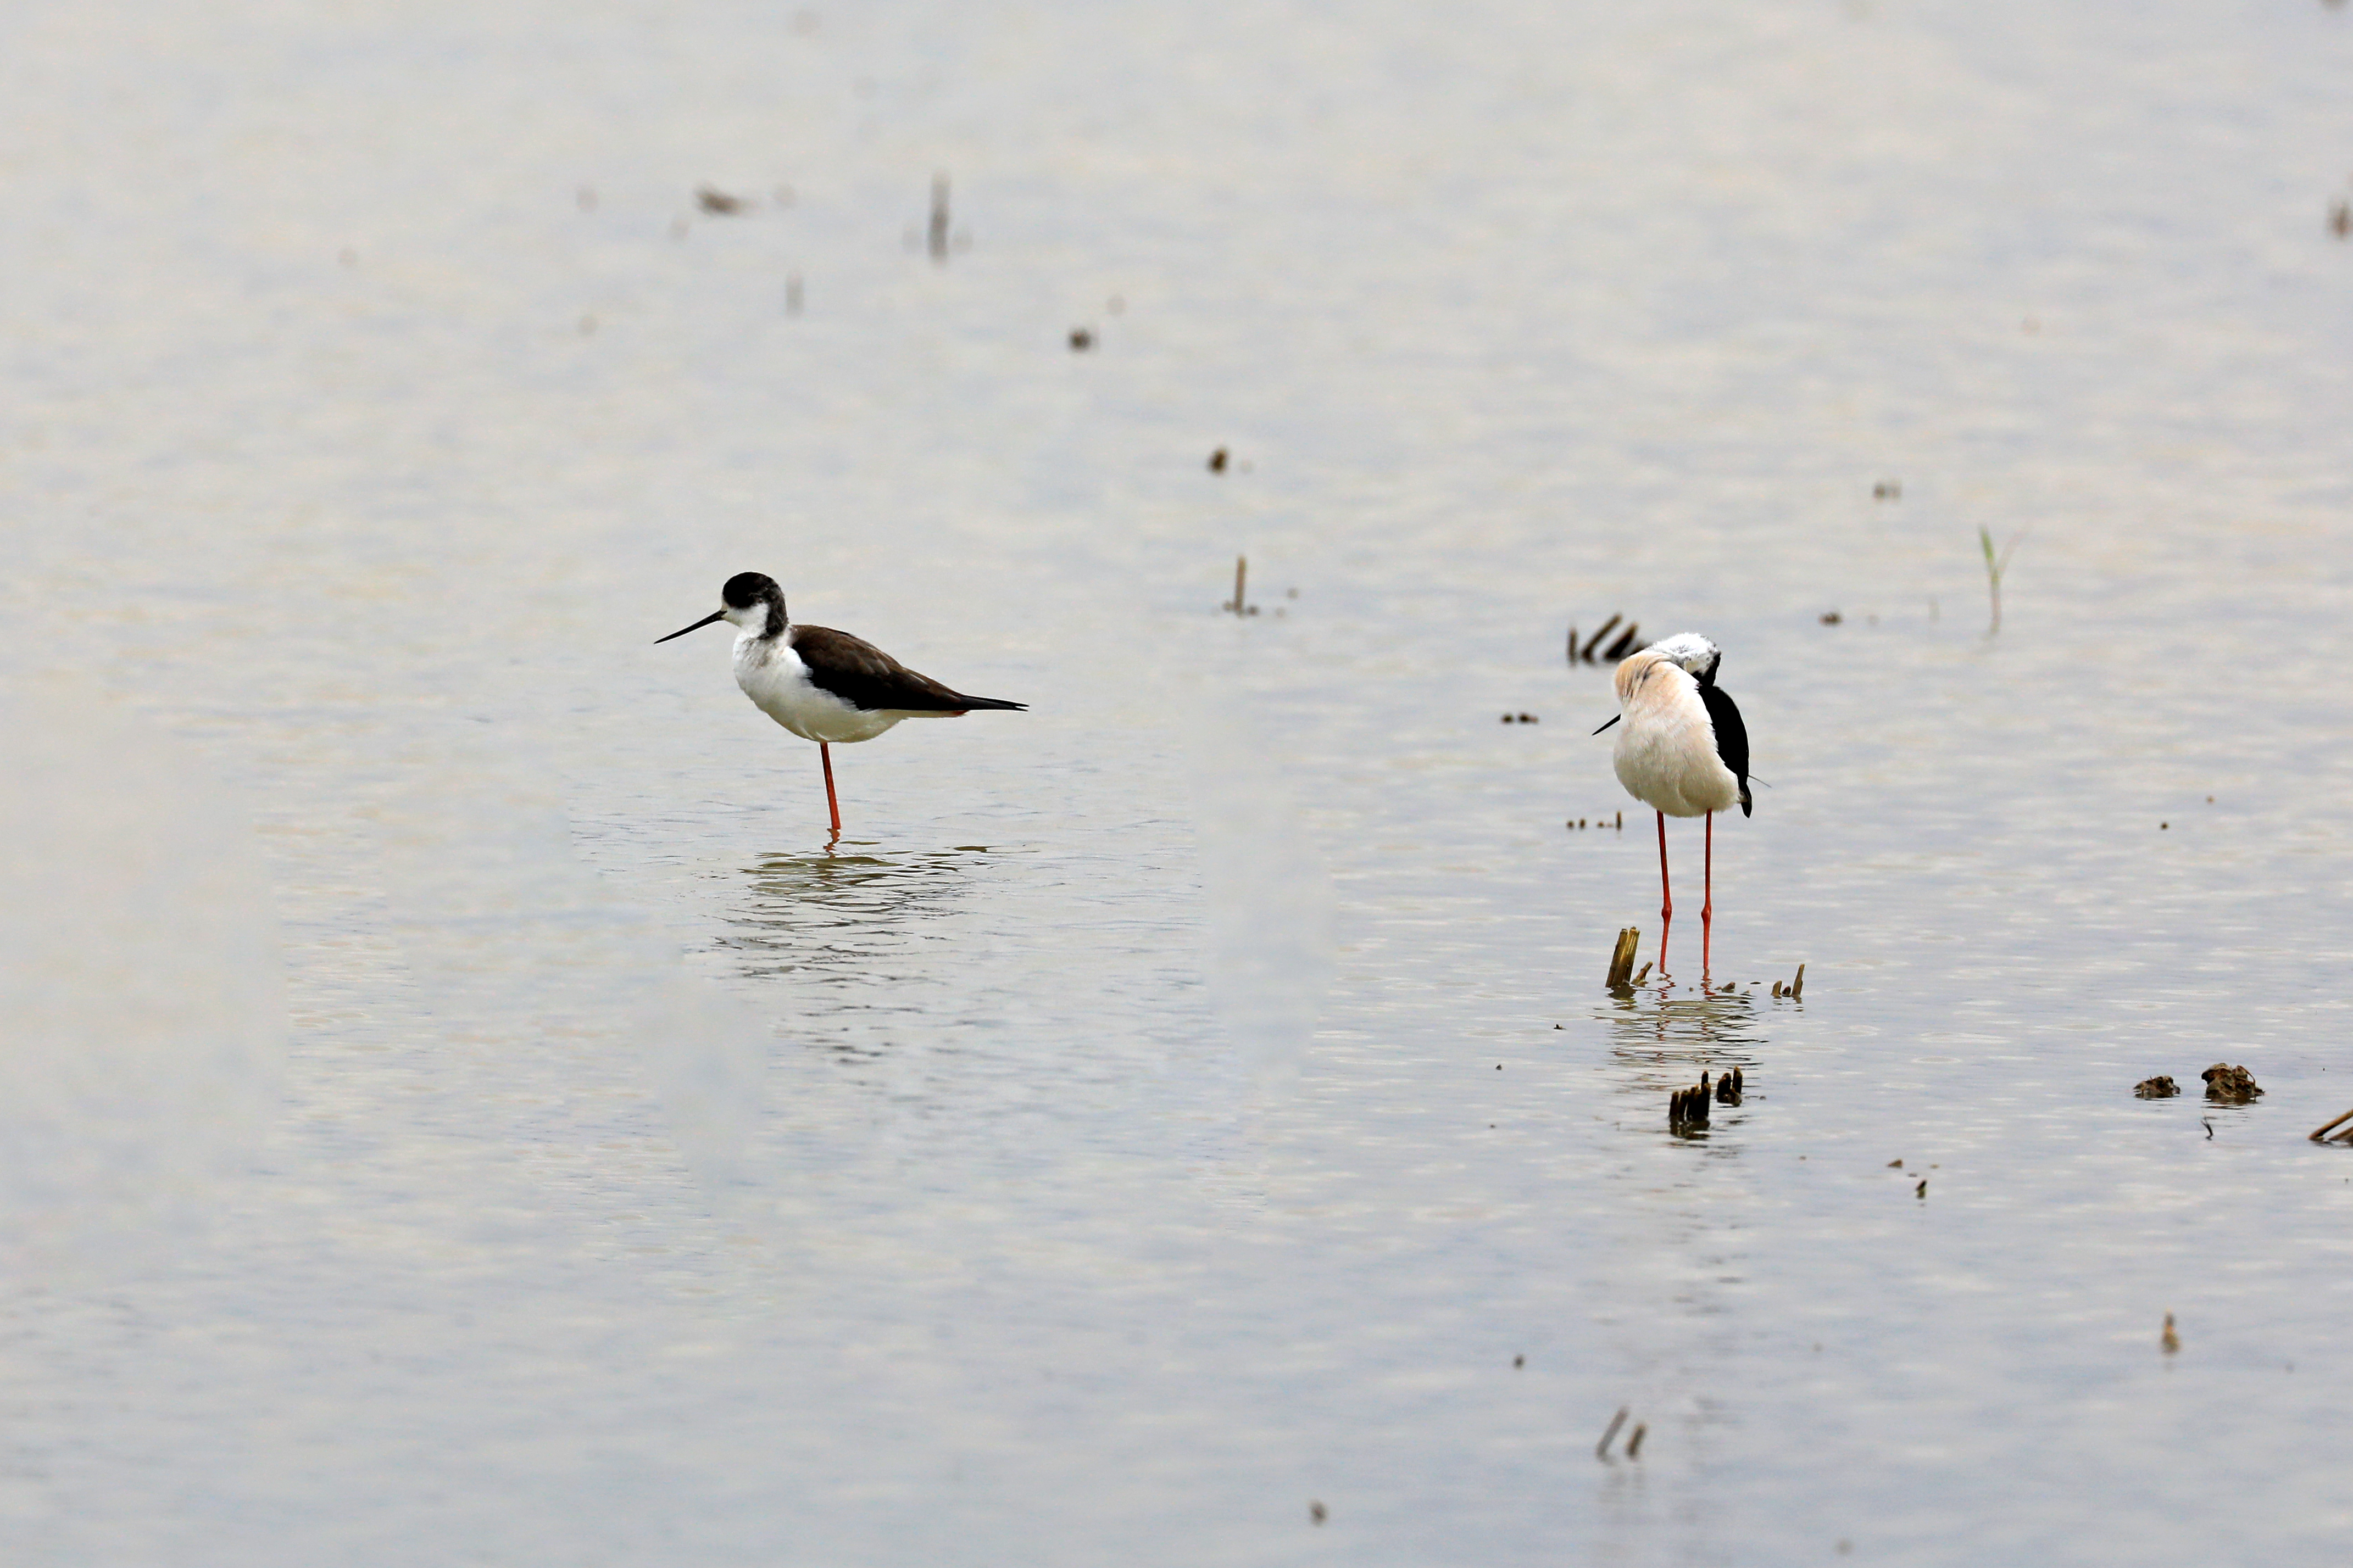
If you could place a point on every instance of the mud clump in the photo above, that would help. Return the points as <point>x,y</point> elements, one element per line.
<point>2157,1087</point>
<point>2227,1085</point>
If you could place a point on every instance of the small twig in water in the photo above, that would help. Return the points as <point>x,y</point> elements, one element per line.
<point>1601,1449</point>
<point>939,224</point>
<point>1995,567</point>
<point>1239,606</point>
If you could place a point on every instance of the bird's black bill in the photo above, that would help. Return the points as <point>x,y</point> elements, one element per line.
<point>1597,732</point>
<point>713,615</point>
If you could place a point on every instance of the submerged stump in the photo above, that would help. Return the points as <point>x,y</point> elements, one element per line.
<point>1621,961</point>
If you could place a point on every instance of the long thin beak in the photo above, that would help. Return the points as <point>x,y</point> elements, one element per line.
<point>1597,732</point>
<point>721,616</point>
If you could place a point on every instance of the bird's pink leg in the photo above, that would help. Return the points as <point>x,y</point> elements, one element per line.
<point>824,756</point>
<point>1707,900</point>
<point>1666,897</point>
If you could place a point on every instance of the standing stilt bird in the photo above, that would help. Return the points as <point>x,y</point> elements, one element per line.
<point>823,684</point>
<point>1683,752</point>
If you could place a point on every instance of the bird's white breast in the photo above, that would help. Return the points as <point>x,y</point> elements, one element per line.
<point>773,676</point>
<point>1666,755</point>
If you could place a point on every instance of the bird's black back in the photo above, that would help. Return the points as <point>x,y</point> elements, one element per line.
<point>866,677</point>
<point>1731,738</point>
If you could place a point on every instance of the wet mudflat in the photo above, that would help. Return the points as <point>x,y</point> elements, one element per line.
<point>1195,1097</point>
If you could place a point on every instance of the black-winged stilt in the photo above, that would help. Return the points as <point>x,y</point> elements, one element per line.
<point>823,684</point>
<point>1683,752</point>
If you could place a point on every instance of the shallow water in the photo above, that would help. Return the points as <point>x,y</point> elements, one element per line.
<point>1186,1100</point>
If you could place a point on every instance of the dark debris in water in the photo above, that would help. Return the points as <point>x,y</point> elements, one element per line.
<point>1591,650</point>
<point>2157,1087</point>
<point>2227,1085</point>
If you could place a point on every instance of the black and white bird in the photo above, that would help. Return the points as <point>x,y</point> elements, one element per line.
<point>1683,752</point>
<point>823,684</point>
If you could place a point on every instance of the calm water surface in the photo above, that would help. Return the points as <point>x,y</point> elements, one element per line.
<point>1196,1096</point>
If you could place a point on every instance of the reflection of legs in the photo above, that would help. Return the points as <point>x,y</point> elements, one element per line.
<point>1707,900</point>
<point>1666,897</point>
<point>824,756</point>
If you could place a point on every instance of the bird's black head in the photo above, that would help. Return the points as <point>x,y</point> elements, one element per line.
<point>746,589</point>
<point>749,590</point>
<point>750,600</point>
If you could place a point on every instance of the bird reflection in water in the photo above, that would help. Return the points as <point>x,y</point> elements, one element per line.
<point>874,928</point>
<point>1662,1041</point>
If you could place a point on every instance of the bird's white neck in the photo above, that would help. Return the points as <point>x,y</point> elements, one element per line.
<point>752,622</point>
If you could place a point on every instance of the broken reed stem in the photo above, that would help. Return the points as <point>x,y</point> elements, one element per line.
<point>1621,961</point>
<point>1241,576</point>
<point>1797,986</point>
<point>2322,1131</point>
<point>1601,1449</point>
<point>1596,641</point>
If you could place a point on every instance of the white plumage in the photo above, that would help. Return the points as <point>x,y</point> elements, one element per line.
<point>1666,755</point>
<point>1683,752</point>
<point>776,678</point>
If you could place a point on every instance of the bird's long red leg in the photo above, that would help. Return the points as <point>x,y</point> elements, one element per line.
<point>1707,900</point>
<point>824,756</point>
<point>1666,897</point>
